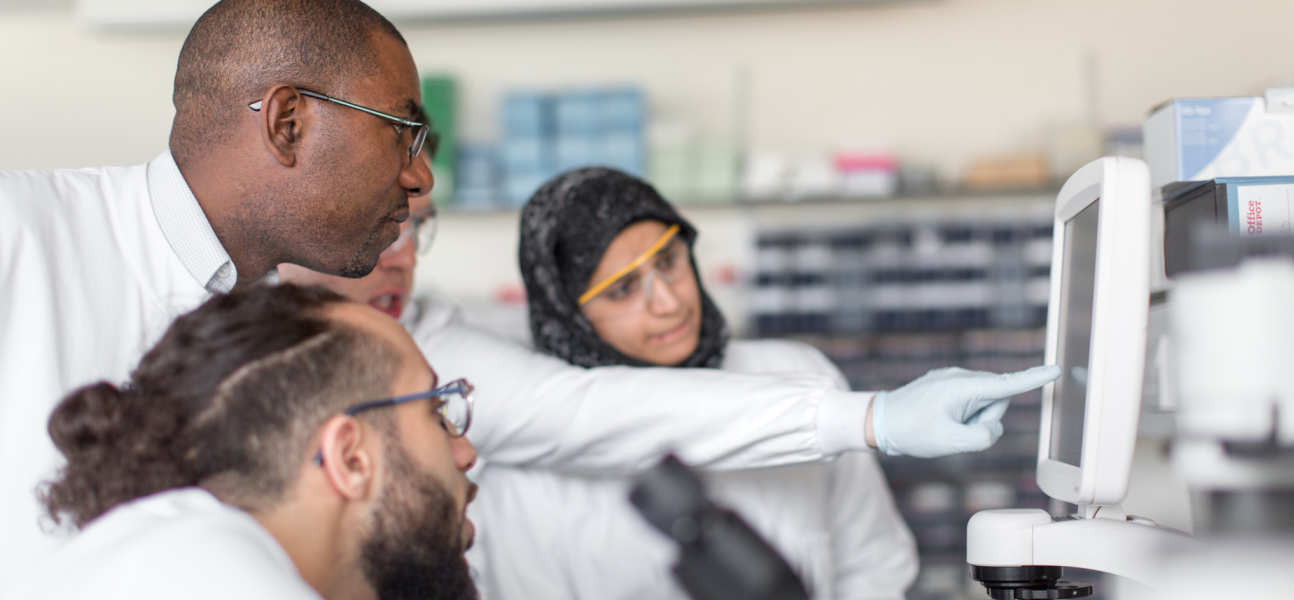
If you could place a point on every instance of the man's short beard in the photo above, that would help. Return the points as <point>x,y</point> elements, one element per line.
<point>361,264</point>
<point>415,548</point>
<point>365,258</point>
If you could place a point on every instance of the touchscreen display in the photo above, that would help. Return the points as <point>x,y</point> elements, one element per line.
<point>1077,289</point>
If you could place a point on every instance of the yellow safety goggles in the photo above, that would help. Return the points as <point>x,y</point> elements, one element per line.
<point>596,289</point>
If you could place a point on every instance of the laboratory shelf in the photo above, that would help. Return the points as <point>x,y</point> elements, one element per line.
<point>892,297</point>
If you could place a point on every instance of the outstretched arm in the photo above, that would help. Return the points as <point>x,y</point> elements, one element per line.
<point>535,410</point>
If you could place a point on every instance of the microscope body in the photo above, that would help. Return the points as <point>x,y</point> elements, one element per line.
<point>1234,341</point>
<point>720,555</point>
<point>1019,553</point>
<point>1232,392</point>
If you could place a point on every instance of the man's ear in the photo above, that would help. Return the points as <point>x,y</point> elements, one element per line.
<point>283,116</point>
<point>349,464</point>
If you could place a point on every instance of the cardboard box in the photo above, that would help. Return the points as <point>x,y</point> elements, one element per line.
<point>1246,205</point>
<point>1193,139</point>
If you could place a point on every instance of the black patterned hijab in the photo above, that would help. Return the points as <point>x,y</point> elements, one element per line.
<point>565,228</point>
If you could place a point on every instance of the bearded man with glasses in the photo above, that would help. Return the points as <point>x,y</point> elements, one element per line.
<point>277,442</point>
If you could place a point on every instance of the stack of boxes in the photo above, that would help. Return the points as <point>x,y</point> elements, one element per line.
<point>601,127</point>
<point>1195,139</point>
<point>525,144</point>
<point>1219,163</point>
<point>543,134</point>
<point>478,177</point>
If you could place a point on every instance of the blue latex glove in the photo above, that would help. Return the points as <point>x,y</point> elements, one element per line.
<point>948,411</point>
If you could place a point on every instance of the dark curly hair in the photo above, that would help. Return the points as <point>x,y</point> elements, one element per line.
<point>228,399</point>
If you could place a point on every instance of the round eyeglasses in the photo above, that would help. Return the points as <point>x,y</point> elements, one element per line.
<point>454,408</point>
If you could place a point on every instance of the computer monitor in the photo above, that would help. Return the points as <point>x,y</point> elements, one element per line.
<point>1096,332</point>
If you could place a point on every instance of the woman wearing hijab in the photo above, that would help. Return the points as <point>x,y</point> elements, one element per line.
<point>610,280</point>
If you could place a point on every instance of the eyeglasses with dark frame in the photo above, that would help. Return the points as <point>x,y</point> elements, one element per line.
<point>420,130</point>
<point>455,412</point>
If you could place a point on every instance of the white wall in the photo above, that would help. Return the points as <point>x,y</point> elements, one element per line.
<point>938,81</point>
<point>69,98</point>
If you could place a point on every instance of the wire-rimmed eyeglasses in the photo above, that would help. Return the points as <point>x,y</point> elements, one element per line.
<point>400,123</point>
<point>454,409</point>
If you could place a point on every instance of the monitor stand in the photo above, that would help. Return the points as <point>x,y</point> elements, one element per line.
<point>1018,553</point>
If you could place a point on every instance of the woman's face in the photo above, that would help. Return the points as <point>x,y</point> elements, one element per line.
<point>652,313</point>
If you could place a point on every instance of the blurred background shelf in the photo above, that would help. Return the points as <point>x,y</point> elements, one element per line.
<point>900,202</point>
<point>726,249</point>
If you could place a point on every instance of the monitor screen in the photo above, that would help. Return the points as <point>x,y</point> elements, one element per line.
<point>1077,289</point>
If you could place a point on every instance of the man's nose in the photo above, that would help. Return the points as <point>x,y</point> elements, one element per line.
<point>464,453</point>
<point>416,178</point>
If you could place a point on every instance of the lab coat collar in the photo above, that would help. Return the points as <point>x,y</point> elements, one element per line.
<point>186,227</point>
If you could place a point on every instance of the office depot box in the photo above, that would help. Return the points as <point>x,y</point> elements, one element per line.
<point>1193,139</point>
<point>1246,205</point>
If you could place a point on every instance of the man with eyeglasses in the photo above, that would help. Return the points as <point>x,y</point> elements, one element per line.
<point>298,137</point>
<point>277,442</point>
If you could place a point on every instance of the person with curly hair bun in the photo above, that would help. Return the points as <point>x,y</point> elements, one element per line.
<point>277,442</point>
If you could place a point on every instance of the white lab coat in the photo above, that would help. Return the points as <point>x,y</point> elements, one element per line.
<point>183,543</point>
<point>544,535</point>
<point>90,282</point>
<point>91,279</point>
<point>535,410</point>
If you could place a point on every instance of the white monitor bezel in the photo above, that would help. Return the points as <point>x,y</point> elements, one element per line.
<point>1120,306</point>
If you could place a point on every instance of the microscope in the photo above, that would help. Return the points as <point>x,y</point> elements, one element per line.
<point>720,555</point>
<point>1215,351</point>
<point>1096,332</point>
<point>1233,344</point>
